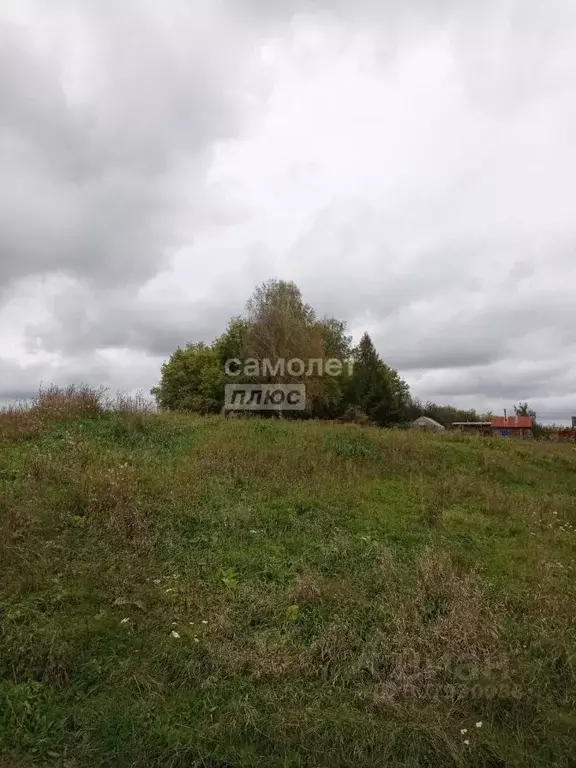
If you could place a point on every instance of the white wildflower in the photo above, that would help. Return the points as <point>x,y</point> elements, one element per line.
<point>124,621</point>
<point>466,741</point>
<point>204,621</point>
<point>463,731</point>
<point>479,724</point>
<point>175,634</point>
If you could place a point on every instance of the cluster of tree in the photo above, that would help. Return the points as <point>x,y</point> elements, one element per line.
<point>278,325</point>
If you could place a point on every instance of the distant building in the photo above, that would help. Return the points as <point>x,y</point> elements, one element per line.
<point>512,426</point>
<point>505,426</point>
<point>562,435</point>
<point>424,422</point>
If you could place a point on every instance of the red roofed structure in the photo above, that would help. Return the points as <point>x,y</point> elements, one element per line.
<point>512,422</point>
<point>505,426</point>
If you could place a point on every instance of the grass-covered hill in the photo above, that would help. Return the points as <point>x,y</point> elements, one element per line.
<point>178,591</point>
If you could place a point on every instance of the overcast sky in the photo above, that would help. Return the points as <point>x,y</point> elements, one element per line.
<point>411,164</point>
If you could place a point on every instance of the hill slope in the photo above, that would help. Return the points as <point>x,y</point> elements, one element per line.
<point>186,592</point>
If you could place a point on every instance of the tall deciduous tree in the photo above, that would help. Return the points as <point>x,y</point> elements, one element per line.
<point>230,345</point>
<point>281,326</point>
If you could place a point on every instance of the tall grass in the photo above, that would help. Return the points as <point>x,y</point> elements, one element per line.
<point>61,404</point>
<point>179,591</point>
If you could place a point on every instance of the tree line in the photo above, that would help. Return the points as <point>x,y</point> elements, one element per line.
<point>279,326</point>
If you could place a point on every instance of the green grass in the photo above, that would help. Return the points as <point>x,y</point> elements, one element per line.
<point>342,596</point>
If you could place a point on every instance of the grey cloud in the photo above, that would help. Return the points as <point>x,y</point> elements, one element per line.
<point>106,186</point>
<point>544,375</point>
<point>85,321</point>
<point>454,303</point>
<point>504,328</point>
<point>362,10</point>
<point>509,52</point>
<point>466,321</point>
<point>127,373</point>
<point>462,267</point>
<point>22,382</point>
<point>510,380</point>
<point>440,355</point>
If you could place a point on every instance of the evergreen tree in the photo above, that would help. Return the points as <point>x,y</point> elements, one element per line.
<point>376,388</point>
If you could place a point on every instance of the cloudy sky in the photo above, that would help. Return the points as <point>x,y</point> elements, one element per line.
<point>411,164</point>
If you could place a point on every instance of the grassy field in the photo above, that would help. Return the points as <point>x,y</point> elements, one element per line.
<point>179,591</point>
